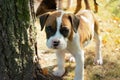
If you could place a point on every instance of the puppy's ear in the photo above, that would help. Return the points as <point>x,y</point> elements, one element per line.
<point>74,21</point>
<point>43,19</point>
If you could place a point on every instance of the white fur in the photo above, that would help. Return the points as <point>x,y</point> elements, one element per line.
<point>59,53</point>
<point>75,49</point>
<point>57,36</point>
<point>85,19</point>
<point>60,60</point>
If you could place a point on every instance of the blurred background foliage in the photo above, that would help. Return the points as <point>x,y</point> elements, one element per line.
<point>114,7</point>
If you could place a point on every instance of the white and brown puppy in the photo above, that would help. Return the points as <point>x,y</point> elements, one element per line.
<point>65,31</point>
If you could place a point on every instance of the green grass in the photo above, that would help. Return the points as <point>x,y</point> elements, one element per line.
<point>114,7</point>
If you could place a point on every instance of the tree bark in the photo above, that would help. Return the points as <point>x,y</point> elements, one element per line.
<point>17,39</point>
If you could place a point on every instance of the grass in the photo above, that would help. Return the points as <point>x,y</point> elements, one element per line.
<point>115,4</point>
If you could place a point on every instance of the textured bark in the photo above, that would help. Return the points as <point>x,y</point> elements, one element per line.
<point>16,40</point>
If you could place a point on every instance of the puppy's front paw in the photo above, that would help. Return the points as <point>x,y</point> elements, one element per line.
<point>72,59</point>
<point>98,61</point>
<point>59,72</point>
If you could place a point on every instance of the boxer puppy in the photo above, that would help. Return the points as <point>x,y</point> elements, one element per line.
<point>66,31</point>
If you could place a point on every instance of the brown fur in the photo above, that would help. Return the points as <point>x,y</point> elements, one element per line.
<point>48,6</point>
<point>66,22</point>
<point>84,29</point>
<point>95,6</point>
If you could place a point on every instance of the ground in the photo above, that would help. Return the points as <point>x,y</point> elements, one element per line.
<point>109,23</point>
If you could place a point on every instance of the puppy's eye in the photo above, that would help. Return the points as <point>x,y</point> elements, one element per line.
<point>64,31</point>
<point>49,31</point>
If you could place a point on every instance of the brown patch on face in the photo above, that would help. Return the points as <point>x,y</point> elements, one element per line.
<point>51,21</point>
<point>66,23</point>
<point>51,24</point>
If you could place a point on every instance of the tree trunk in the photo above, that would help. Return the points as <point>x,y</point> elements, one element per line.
<point>17,39</point>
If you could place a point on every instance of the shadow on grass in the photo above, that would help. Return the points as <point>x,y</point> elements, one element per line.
<point>108,71</point>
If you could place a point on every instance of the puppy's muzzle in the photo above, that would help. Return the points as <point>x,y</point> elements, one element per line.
<point>56,43</point>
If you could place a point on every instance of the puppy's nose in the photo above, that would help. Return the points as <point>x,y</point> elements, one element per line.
<point>56,43</point>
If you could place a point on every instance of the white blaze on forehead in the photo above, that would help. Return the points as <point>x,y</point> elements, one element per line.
<point>59,20</point>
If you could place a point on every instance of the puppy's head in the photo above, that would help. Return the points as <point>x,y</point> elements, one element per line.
<point>59,28</point>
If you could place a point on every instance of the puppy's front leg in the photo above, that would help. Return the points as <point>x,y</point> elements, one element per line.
<point>98,57</point>
<point>79,70</point>
<point>60,61</point>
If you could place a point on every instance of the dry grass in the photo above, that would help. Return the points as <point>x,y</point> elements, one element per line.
<point>110,31</point>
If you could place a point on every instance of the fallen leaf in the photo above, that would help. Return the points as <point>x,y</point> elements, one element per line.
<point>104,40</point>
<point>117,41</point>
<point>45,71</point>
